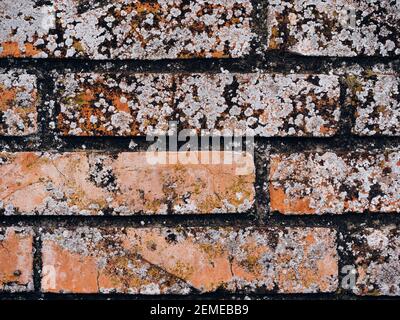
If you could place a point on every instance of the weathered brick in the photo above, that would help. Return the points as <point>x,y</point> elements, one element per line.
<point>186,260</point>
<point>253,103</point>
<point>24,28</point>
<point>375,256</point>
<point>335,182</point>
<point>335,28</point>
<point>16,259</point>
<point>376,99</point>
<point>126,183</point>
<point>18,103</point>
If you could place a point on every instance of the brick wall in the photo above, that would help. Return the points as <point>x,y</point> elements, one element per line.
<point>307,206</point>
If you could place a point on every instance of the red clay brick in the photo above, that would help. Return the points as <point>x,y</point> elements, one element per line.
<point>253,103</point>
<point>334,28</point>
<point>16,259</point>
<point>335,182</point>
<point>93,183</point>
<point>18,102</point>
<point>179,261</point>
<point>375,254</point>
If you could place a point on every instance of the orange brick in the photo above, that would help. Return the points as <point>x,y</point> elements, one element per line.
<point>182,261</point>
<point>18,102</point>
<point>110,104</point>
<point>16,259</point>
<point>335,182</point>
<point>92,183</point>
<point>137,29</point>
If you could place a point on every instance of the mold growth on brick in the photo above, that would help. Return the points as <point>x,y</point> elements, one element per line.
<point>25,29</point>
<point>19,99</point>
<point>147,261</point>
<point>255,104</point>
<point>91,183</point>
<point>156,29</point>
<point>335,28</point>
<point>375,254</point>
<point>376,99</point>
<point>88,260</point>
<point>334,182</point>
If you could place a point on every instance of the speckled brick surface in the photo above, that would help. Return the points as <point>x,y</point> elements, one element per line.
<point>253,104</point>
<point>180,261</point>
<point>19,99</point>
<point>335,28</point>
<point>123,29</point>
<point>126,183</point>
<point>16,259</point>
<point>375,253</point>
<point>329,182</point>
<point>376,100</point>
<point>195,149</point>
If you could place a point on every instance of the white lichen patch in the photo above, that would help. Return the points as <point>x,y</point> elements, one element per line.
<point>161,29</point>
<point>105,264</point>
<point>331,182</point>
<point>18,103</point>
<point>335,28</point>
<point>25,29</point>
<point>376,256</point>
<point>256,104</point>
<point>376,99</point>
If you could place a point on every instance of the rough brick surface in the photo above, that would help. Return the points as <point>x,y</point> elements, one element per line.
<point>180,261</point>
<point>376,99</point>
<point>25,28</point>
<point>329,182</point>
<point>18,103</point>
<point>335,28</point>
<point>375,253</point>
<point>126,29</point>
<point>254,103</point>
<point>16,259</point>
<point>126,183</point>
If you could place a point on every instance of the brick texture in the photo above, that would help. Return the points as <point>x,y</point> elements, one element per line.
<point>228,149</point>
<point>335,28</point>
<point>122,29</point>
<point>375,255</point>
<point>376,99</point>
<point>18,103</point>
<point>116,104</point>
<point>180,261</point>
<point>126,183</point>
<point>16,259</point>
<point>329,182</point>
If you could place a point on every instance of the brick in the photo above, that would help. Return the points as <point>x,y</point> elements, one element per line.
<point>16,259</point>
<point>335,182</point>
<point>254,103</point>
<point>25,28</point>
<point>335,28</point>
<point>376,99</point>
<point>190,260</point>
<point>18,102</point>
<point>161,29</point>
<point>374,254</point>
<point>93,183</point>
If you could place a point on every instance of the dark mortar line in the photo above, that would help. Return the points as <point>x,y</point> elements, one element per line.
<point>116,144</point>
<point>37,259</point>
<point>273,60</point>
<point>275,220</point>
<point>226,296</point>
